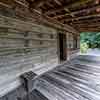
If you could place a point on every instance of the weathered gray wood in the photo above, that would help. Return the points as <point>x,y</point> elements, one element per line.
<point>25,45</point>
<point>71,81</point>
<point>21,25</point>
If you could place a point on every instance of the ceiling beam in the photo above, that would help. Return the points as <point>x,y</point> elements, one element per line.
<point>83,26</point>
<point>85,30</point>
<point>82,17</point>
<point>21,3</point>
<point>5,5</point>
<point>89,29</point>
<point>58,2</point>
<point>66,27</point>
<point>54,23</point>
<point>7,2</point>
<point>77,12</point>
<point>87,24</point>
<point>35,3</point>
<point>79,2</point>
<point>86,21</point>
<point>12,3</point>
<point>68,12</point>
<point>72,15</point>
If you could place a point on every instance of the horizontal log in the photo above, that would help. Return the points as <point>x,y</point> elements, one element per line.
<point>21,25</point>
<point>77,12</point>
<point>49,22</point>
<point>75,4</point>
<point>28,38</point>
<point>83,17</point>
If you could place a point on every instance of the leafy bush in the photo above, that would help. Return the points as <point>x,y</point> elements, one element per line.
<point>91,39</point>
<point>83,47</point>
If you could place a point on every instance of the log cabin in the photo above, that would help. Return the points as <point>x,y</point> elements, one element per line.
<point>37,37</point>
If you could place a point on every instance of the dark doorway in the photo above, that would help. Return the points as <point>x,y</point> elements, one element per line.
<point>62,47</point>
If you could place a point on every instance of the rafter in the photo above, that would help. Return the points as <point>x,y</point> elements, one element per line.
<point>69,12</point>
<point>82,17</point>
<point>35,3</point>
<point>89,29</point>
<point>7,2</point>
<point>55,23</point>
<point>77,12</point>
<point>5,5</point>
<point>58,2</point>
<point>86,21</point>
<point>77,21</point>
<point>21,3</point>
<point>94,26</point>
<point>88,26</point>
<point>84,28</point>
<point>80,2</point>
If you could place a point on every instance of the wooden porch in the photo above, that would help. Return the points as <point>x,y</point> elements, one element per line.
<point>40,35</point>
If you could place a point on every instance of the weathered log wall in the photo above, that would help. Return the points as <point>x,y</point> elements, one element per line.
<point>23,34</point>
<point>26,43</point>
<point>73,45</point>
<point>21,37</point>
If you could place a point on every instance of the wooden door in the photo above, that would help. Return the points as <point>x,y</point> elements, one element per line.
<point>62,47</point>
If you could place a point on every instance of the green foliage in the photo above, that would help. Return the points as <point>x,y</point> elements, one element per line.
<point>83,47</point>
<point>91,39</point>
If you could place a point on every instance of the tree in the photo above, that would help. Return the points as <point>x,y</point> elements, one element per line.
<point>91,39</point>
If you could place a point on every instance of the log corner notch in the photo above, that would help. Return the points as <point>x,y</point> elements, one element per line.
<point>77,14</point>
